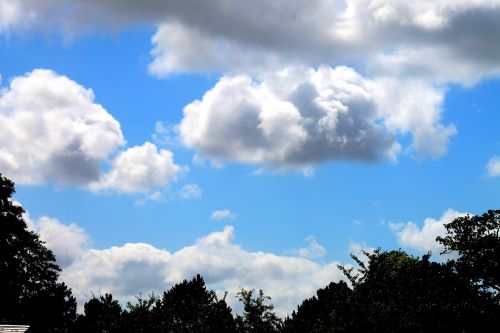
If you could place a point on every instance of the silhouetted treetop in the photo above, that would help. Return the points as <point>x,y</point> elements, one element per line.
<point>476,239</point>
<point>29,289</point>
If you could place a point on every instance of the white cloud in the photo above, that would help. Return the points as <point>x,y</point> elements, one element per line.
<point>68,242</point>
<point>130,269</point>
<point>424,239</point>
<point>191,191</point>
<point>314,250</point>
<point>9,14</point>
<point>135,268</point>
<point>222,214</point>
<point>298,117</point>
<point>165,134</point>
<point>493,167</point>
<point>358,249</point>
<point>53,131</point>
<point>156,196</point>
<point>293,119</point>
<point>415,106</point>
<point>139,168</point>
<point>357,222</point>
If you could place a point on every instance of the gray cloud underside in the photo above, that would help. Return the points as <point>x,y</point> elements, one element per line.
<point>312,32</point>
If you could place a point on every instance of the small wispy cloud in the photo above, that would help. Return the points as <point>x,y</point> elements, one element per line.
<point>357,222</point>
<point>155,196</point>
<point>191,191</point>
<point>493,167</point>
<point>165,134</point>
<point>222,214</point>
<point>313,250</point>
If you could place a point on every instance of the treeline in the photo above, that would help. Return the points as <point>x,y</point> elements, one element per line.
<point>387,291</point>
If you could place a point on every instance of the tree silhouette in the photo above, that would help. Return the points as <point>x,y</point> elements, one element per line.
<point>190,307</point>
<point>329,311</point>
<point>29,290</point>
<point>257,316</point>
<point>395,292</point>
<point>101,315</point>
<point>138,317</point>
<point>477,241</point>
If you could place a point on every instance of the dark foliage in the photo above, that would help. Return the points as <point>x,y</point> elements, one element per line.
<point>190,307</point>
<point>329,311</point>
<point>29,290</point>
<point>388,292</point>
<point>401,293</point>
<point>138,318</point>
<point>476,239</point>
<point>101,315</point>
<point>396,292</point>
<point>258,316</point>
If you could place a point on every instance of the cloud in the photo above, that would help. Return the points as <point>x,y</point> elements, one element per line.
<point>165,134</point>
<point>244,36</point>
<point>357,222</point>
<point>408,50</point>
<point>414,106</point>
<point>493,167</point>
<point>139,168</point>
<point>293,119</point>
<point>444,41</point>
<point>191,191</point>
<point>424,239</point>
<point>358,249</point>
<point>222,214</point>
<point>68,242</point>
<point>298,117</point>
<point>53,131</point>
<point>135,268</point>
<point>314,250</point>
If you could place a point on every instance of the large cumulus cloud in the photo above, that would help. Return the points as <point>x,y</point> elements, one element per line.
<point>298,117</point>
<point>53,131</point>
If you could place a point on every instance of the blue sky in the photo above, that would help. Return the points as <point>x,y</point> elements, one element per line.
<point>207,142</point>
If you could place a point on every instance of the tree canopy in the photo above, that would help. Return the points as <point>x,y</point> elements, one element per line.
<point>258,314</point>
<point>476,240</point>
<point>397,292</point>
<point>386,291</point>
<point>29,289</point>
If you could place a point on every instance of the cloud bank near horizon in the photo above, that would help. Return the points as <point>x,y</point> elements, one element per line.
<point>133,268</point>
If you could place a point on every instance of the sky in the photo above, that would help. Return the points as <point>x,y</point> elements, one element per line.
<point>256,143</point>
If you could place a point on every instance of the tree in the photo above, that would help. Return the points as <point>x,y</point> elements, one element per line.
<point>476,239</point>
<point>138,317</point>
<point>258,316</point>
<point>190,307</point>
<point>101,315</point>
<point>329,311</point>
<point>29,289</point>
<point>396,292</point>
